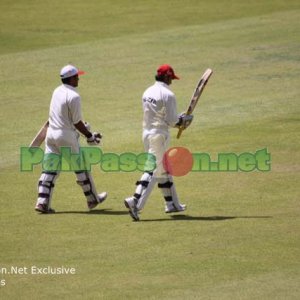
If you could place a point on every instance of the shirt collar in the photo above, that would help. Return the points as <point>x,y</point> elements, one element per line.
<point>162,84</point>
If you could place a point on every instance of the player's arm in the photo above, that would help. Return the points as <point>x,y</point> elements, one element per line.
<point>82,128</point>
<point>172,117</point>
<point>175,120</point>
<point>75,109</point>
<point>91,138</point>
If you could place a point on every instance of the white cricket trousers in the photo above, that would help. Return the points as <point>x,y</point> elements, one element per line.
<point>55,139</point>
<point>156,144</point>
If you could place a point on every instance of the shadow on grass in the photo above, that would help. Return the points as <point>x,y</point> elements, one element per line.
<point>106,211</point>
<point>210,218</point>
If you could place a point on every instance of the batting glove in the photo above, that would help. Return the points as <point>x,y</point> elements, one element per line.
<point>185,120</point>
<point>94,139</point>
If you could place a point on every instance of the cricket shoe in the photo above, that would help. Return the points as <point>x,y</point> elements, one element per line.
<point>44,209</point>
<point>130,203</point>
<point>173,209</point>
<point>101,198</point>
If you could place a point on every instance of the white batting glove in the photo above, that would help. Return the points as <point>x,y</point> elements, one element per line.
<point>95,139</point>
<point>185,120</point>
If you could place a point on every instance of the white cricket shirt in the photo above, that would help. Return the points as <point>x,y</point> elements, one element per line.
<point>65,108</point>
<point>160,111</point>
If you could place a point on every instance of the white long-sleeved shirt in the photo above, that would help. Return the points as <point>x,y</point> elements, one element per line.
<point>160,109</point>
<point>65,108</point>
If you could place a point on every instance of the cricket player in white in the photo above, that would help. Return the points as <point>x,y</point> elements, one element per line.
<point>160,113</point>
<point>65,121</point>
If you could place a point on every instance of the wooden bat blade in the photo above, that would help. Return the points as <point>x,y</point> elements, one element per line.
<point>196,95</point>
<point>40,136</point>
<point>198,90</point>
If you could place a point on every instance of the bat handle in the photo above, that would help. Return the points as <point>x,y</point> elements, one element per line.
<point>179,132</point>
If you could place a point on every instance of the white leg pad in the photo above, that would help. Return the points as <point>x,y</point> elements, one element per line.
<point>45,187</point>
<point>85,180</point>
<point>168,190</point>
<point>144,189</point>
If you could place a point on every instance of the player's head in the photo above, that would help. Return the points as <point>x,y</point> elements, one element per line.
<point>166,74</point>
<point>70,75</point>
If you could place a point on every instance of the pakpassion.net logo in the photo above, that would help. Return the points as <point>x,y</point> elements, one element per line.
<point>177,161</point>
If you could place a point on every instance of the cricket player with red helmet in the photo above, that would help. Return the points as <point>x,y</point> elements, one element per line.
<point>160,113</point>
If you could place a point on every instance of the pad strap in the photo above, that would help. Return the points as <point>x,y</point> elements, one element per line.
<point>165,185</point>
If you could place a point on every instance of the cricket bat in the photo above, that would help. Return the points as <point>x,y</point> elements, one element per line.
<point>40,136</point>
<point>196,95</point>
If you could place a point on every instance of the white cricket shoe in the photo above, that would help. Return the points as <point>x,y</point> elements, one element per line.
<point>130,203</point>
<point>101,198</point>
<point>171,208</point>
<point>44,209</point>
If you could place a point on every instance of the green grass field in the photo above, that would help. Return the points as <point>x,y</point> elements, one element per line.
<point>239,238</point>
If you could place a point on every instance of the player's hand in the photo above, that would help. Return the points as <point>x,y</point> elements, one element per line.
<point>95,139</point>
<point>185,120</point>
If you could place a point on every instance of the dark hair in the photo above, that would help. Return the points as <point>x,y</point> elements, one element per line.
<point>65,80</point>
<point>160,78</point>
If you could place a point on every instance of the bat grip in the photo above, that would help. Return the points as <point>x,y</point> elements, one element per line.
<point>179,132</point>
